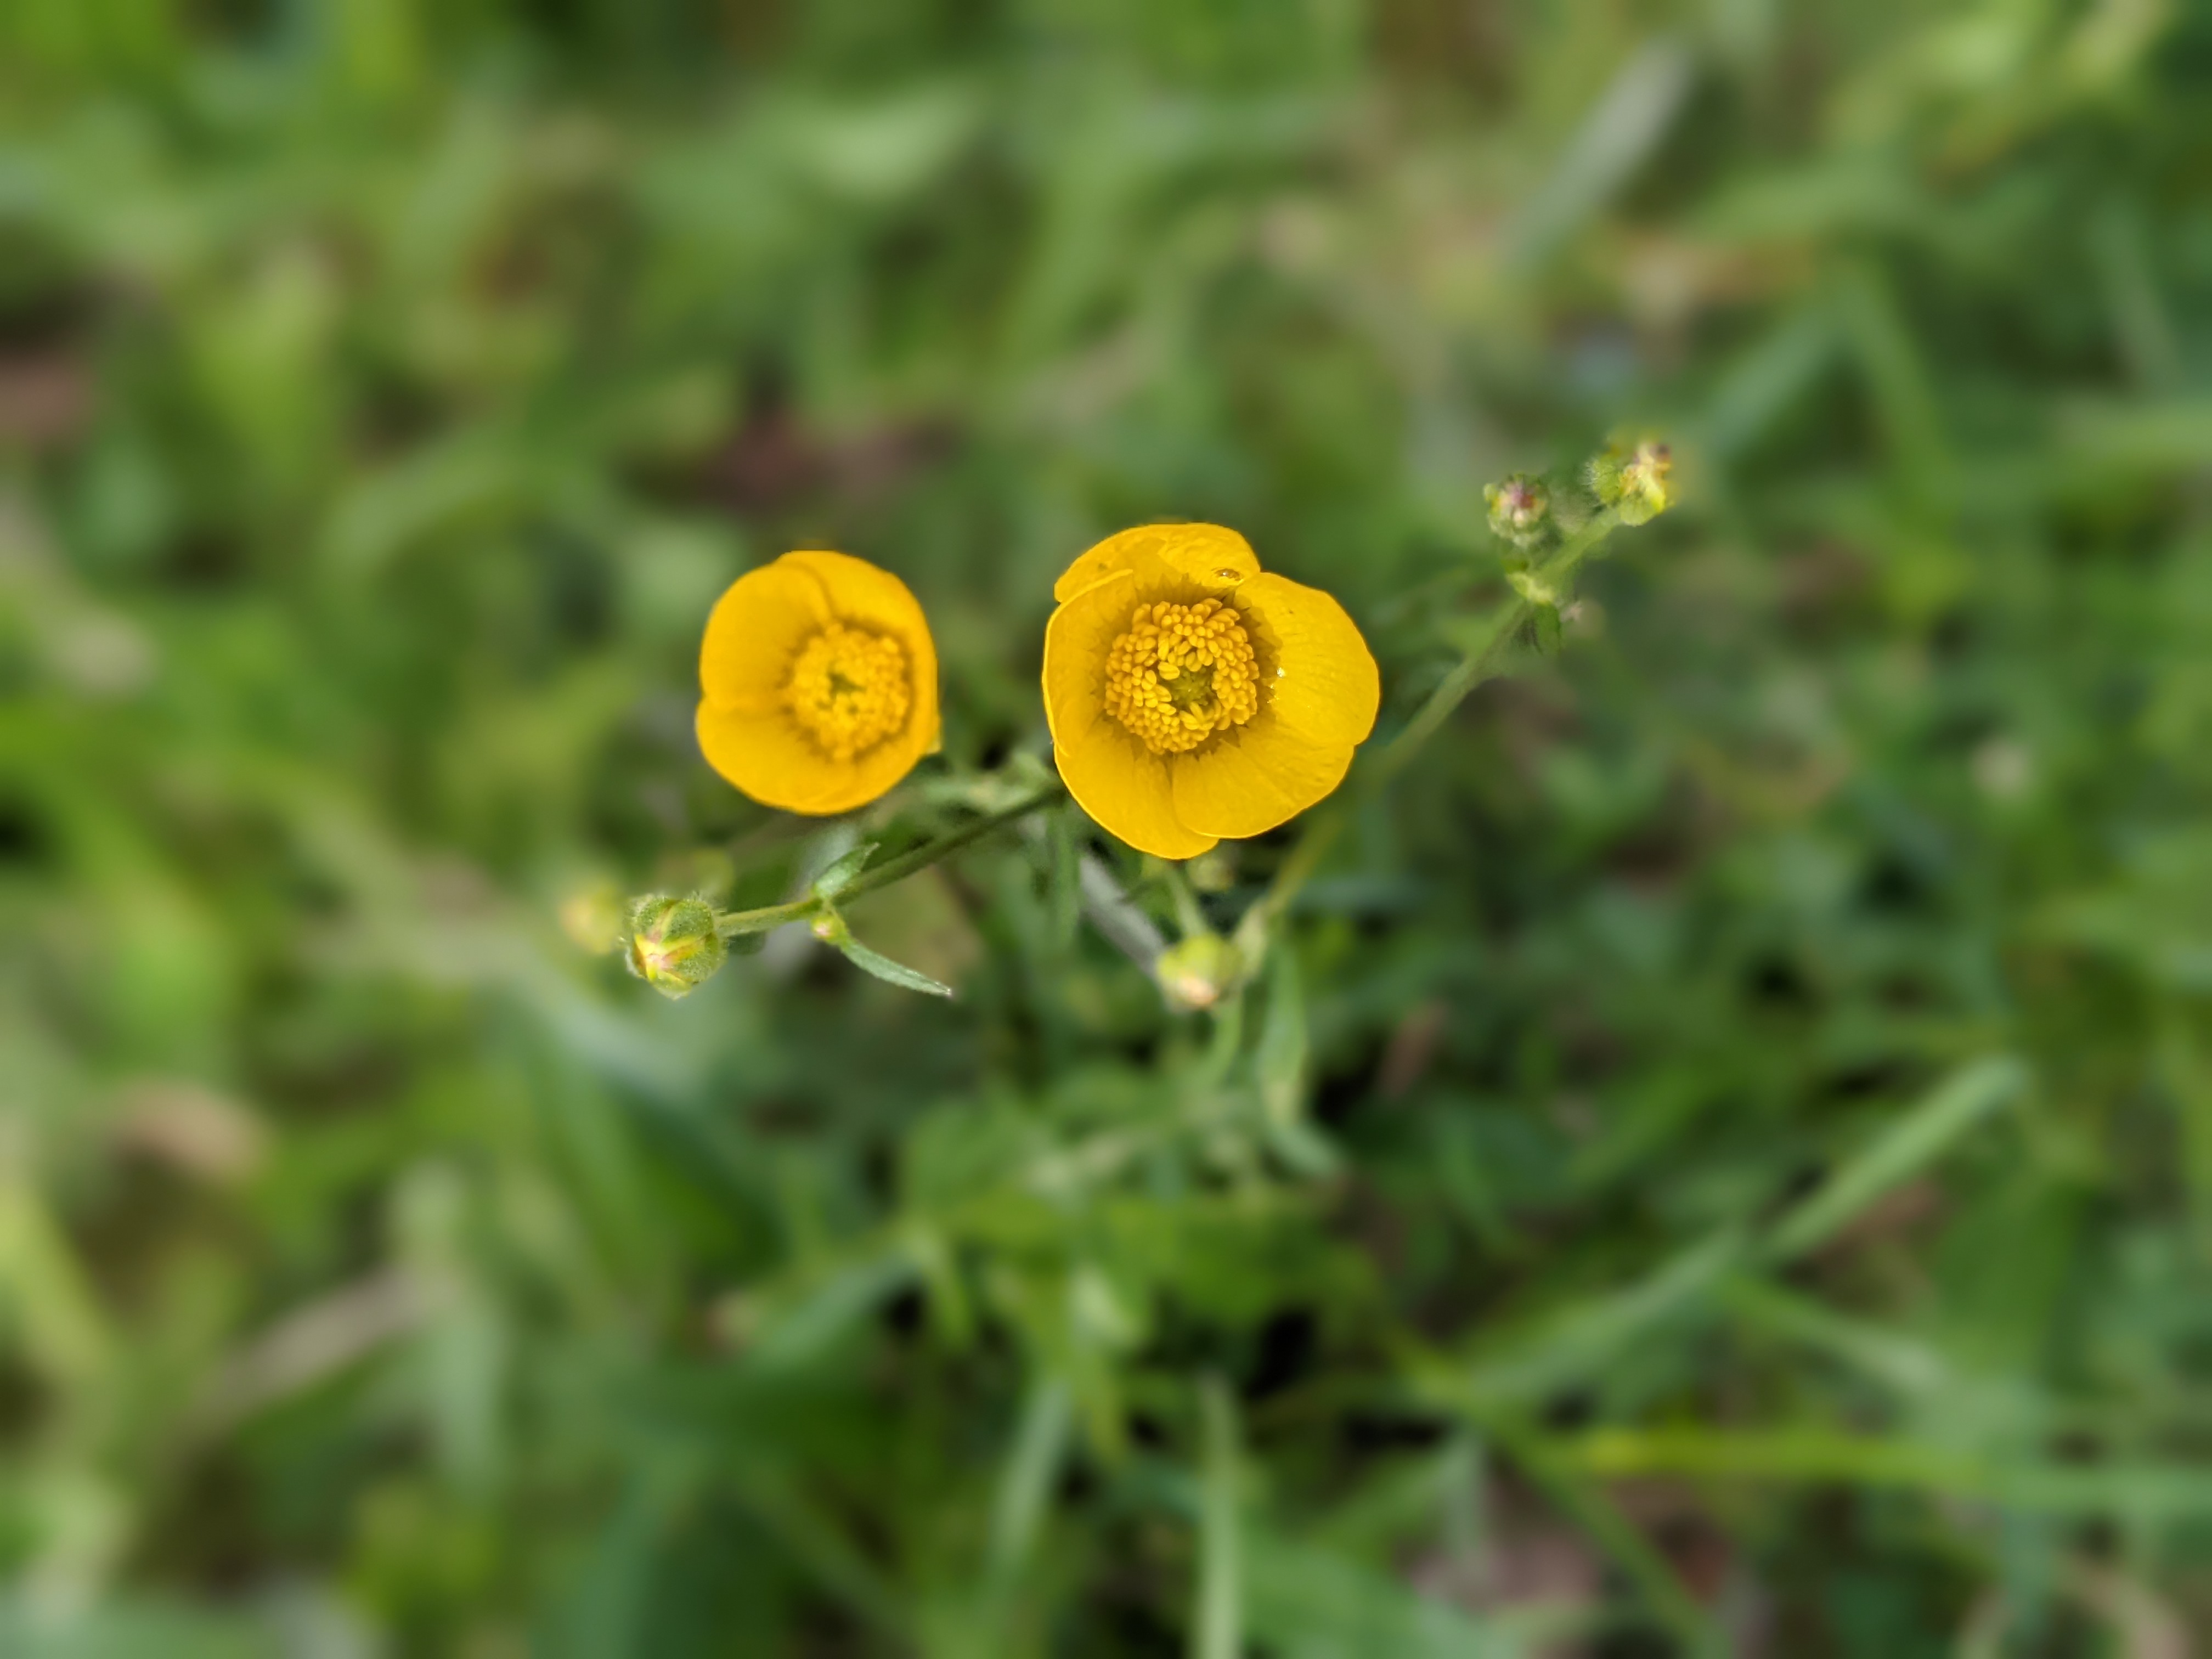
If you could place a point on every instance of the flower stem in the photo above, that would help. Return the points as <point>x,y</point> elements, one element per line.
<point>1477,663</point>
<point>732,923</point>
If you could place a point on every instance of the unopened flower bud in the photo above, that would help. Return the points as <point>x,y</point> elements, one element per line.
<point>1212,873</point>
<point>1520,509</point>
<point>1635,479</point>
<point>674,944</point>
<point>1532,588</point>
<point>1195,974</point>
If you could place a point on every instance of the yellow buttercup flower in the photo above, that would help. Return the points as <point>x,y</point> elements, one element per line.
<point>819,683</point>
<point>1194,697</point>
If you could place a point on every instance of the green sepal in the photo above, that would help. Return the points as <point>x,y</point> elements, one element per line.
<point>674,945</point>
<point>1548,630</point>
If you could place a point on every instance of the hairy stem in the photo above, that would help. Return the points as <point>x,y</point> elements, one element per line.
<point>1477,663</point>
<point>732,923</point>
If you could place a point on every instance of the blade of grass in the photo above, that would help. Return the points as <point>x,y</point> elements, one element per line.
<point>1217,1631</point>
<point>1025,1487</point>
<point>1909,1145</point>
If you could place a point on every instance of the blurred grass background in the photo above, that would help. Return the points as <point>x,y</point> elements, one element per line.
<point>1729,1167</point>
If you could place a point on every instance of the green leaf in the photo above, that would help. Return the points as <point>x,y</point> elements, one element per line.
<point>1590,1334</point>
<point>1329,1604</point>
<point>800,1332</point>
<point>1281,1060</point>
<point>1915,1140</point>
<point>895,973</point>
<point>1025,1485</point>
<point>1217,1630</point>
<point>843,871</point>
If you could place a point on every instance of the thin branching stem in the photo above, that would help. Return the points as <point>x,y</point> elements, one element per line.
<point>733,923</point>
<point>1477,663</point>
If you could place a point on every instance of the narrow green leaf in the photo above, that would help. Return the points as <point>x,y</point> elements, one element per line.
<point>1305,1599</point>
<point>843,870</point>
<point>1066,899</point>
<point>1896,1361</point>
<point>1281,1060</point>
<point>800,1333</point>
<point>897,973</point>
<point>1765,380</point>
<point>1896,371</point>
<point>1218,1631</point>
<point>1025,1485</point>
<point>951,1309</point>
<point>1581,1341</point>
<point>1915,1140</point>
<point>1627,122</point>
<point>1825,1455</point>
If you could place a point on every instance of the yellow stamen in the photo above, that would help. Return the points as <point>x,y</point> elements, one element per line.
<point>848,689</point>
<point>1181,674</point>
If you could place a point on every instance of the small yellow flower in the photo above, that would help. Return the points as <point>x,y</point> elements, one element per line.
<point>819,683</point>
<point>1192,695</point>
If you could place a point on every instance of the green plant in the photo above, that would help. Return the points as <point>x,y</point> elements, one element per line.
<point>1719,1154</point>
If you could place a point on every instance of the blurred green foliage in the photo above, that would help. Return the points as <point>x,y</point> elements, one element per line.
<point>1729,1166</point>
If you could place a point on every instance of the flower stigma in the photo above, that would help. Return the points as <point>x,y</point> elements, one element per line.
<point>1182,673</point>
<point>848,689</point>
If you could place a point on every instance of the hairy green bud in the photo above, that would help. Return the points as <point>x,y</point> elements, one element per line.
<point>1520,509</point>
<point>1634,479</point>
<point>1197,973</point>
<point>674,945</point>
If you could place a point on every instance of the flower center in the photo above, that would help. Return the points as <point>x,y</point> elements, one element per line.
<point>848,689</point>
<point>1182,673</point>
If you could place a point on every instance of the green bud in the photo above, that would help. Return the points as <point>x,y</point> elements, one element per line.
<point>1214,872</point>
<point>674,944</point>
<point>1532,588</point>
<point>1197,973</point>
<point>1634,479</point>
<point>1520,509</point>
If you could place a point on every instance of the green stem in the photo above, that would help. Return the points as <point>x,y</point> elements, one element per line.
<point>732,923</point>
<point>1477,664</point>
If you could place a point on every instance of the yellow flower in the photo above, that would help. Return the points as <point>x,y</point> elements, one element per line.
<point>819,683</point>
<point>1192,695</point>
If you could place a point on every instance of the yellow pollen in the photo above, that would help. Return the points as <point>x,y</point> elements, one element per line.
<point>848,689</point>
<point>1182,673</point>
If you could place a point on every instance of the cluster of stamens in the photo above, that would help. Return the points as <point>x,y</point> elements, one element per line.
<point>1181,674</point>
<point>848,689</point>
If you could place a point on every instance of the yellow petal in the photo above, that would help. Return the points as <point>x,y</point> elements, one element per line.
<point>1207,555</point>
<point>864,593</point>
<point>756,629</point>
<point>1319,678</point>
<point>1253,779</point>
<point>1125,788</point>
<point>770,759</point>
<point>1114,778</point>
